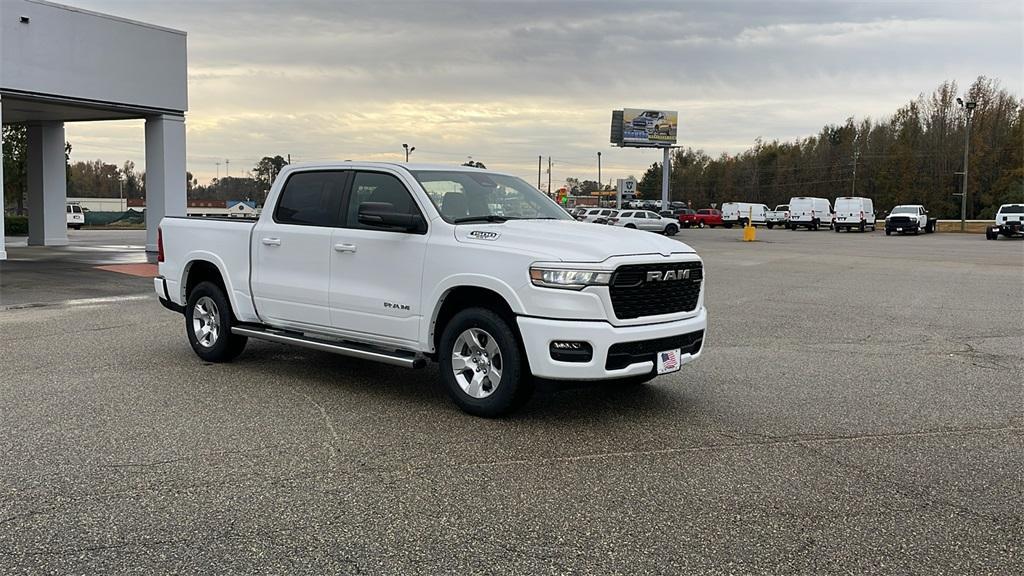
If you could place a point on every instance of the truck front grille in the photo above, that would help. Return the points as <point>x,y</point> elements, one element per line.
<point>625,353</point>
<point>634,296</point>
<point>901,221</point>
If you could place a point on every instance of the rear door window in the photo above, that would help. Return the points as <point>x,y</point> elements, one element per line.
<point>311,199</point>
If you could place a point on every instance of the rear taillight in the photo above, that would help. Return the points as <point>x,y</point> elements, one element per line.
<point>159,245</point>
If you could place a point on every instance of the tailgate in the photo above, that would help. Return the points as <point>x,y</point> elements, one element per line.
<point>223,242</point>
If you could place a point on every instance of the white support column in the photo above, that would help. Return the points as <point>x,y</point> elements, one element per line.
<point>47,185</point>
<point>165,172</point>
<point>3,205</point>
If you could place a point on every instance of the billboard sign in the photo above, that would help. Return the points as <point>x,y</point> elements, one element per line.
<point>646,127</point>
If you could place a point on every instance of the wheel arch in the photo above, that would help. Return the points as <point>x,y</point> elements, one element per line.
<point>203,268</point>
<point>463,296</point>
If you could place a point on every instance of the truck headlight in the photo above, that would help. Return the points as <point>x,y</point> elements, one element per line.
<point>568,279</point>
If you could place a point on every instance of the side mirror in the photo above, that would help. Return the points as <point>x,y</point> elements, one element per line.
<point>383,215</point>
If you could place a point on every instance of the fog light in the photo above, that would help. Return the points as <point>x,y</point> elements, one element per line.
<point>571,351</point>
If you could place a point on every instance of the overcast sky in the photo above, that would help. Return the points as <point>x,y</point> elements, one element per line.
<point>504,82</point>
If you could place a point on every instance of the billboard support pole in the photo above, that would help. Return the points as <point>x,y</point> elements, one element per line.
<point>665,169</point>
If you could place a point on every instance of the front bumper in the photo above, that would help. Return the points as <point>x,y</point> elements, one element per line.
<point>538,333</point>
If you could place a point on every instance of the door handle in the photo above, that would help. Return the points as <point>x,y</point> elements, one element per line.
<point>271,241</point>
<point>345,248</point>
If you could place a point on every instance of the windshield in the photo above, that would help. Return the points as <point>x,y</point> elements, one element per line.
<point>1012,209</point>
<point>465,196</point>
<point>905,210</point>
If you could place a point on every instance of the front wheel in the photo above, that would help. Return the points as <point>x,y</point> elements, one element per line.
<point>888,232</point>
<point>208,322</point>
<point>769,225</point>
<point>481,364</point>
<point>671,230</point>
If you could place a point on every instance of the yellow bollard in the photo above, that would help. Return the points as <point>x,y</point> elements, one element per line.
<point>749,232</point>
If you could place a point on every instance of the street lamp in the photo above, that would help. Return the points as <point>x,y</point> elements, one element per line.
<point>600,188</point>
<point>408,151</point>
<point>969,110</point>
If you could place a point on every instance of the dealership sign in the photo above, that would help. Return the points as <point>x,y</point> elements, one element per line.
<point>646,127</point>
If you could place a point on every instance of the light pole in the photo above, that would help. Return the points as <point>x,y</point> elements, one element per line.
<point>969,110</point>
<point>408,150</point>
<point>600,186</point>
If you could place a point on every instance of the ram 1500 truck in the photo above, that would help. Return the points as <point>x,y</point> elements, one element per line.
<point>402,264</point>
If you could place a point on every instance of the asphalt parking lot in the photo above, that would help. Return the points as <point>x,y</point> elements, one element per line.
<point>859,410</point>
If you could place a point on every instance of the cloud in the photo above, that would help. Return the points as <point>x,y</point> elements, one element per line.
<point>508,81</point>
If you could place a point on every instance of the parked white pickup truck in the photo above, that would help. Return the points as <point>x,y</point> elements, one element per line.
<point>473,269</point>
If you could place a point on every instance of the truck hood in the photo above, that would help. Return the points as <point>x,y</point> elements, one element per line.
<point>567,240</point>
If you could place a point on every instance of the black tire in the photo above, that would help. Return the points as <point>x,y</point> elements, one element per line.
<point>929,227</point>
<point>990,236</point>
<point>862,225</point>
<point>814,225</point>
<point>769,225</point>
<point>729,225</point>
<point>686,225</point>
<point>743,222</point>
<point>630,226</point>
<point>227,346</point>
<point>837,229</point>
<point>701,224</point>
<point>888,232</point>
<point>516,384</point>
<point>671,230</point>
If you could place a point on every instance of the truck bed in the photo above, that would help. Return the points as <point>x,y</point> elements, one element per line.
<point>223,242</point>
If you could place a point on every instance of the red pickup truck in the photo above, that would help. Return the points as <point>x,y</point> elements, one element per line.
<point>700,218</point>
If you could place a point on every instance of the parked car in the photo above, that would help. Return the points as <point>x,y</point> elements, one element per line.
<point>854,212</point>
<point>808,212</point>
<point>704,217</point>
<point>1009,222</point>
<point>596,215</point>
<point>646,220</point>
<point>909,219</point>
<point>75,216</point>
<point>738,213</point>
<point>359,259</point>
<point>777,217</point>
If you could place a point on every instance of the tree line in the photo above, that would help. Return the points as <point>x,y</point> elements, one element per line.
<point>912,157</point>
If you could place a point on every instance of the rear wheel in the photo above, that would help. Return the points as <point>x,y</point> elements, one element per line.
<point>208,323</point>
<point>671,230</point>
<point>888,232</point>
<point>482,365</point>
<point>630,226</point>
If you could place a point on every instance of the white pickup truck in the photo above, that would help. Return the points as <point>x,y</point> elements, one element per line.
<point>473,269</point>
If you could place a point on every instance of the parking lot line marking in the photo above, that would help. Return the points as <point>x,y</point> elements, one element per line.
<point>142,270</point>
<point>81,302</point>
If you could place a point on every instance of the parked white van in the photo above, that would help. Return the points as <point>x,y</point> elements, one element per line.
<point>854,212</point>
<point>76,218</point>
<point>811,213</point>
<point>739,212</point>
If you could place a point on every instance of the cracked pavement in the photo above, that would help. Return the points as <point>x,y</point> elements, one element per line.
<point>859,410</point>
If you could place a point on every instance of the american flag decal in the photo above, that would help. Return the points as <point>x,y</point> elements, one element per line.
<point>669,360</point>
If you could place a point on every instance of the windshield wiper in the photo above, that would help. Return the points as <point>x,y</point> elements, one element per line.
<point>483,218</point>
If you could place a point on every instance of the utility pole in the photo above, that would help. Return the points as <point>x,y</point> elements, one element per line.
<point>227,168</point>
<point>289,158</point>
<point>853,188</point>
<point>549,175</point>
<point>539,160</point>
<point>969,108</point>
<point>599,170</point>
<point>218,170</point>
